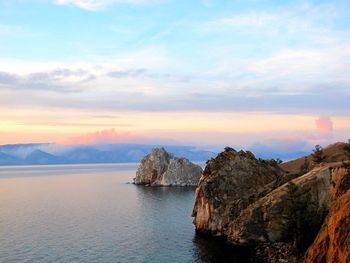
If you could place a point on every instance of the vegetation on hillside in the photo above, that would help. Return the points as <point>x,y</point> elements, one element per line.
<point>347,150</point>
<point>318,155</point>
<point>346,164</point>
<point>305,167</point>
<point>301,218</point>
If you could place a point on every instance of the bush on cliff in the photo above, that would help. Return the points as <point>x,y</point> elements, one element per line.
<point>347,150</point>
<point>305,167</point>
<point>318,156</point>
<point>346,165</point>
<point>301,218</point>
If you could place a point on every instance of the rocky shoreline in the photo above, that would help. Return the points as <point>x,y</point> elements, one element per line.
<point>252,202</point>
<point>297,211</point>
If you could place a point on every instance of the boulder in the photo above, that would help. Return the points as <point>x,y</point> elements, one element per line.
<point>160,168</point>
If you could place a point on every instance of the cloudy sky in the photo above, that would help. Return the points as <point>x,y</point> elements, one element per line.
<point>195,72</point>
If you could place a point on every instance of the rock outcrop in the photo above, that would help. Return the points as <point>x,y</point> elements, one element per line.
<point>261,221</point>
<point>332,244</point>
<point>161,168</point>
<point>231,182</point>
<point>243,199</point>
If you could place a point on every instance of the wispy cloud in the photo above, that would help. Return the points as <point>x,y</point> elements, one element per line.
<point>301,70</point>
<point>128,73</point>
<point>59,80</point>
<point>94,5</point>
<point>252,19</point>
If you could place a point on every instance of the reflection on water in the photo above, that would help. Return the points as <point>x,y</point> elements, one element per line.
<point>87,213</point>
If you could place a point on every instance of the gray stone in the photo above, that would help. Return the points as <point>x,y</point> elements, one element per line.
<point>161,168</point>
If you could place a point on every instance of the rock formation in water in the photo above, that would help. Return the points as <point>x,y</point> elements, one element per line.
<point>243,198</point>
<point>161,168</point>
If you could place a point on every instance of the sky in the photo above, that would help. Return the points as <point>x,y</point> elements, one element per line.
<point>200,72</point>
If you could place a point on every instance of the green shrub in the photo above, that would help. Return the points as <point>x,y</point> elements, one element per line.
<point>347,150</point>
<point>318,156</point>
<point>301,219</point>
<point>305,167</point>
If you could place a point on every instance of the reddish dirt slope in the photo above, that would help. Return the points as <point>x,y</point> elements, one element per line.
<point>332,245</point>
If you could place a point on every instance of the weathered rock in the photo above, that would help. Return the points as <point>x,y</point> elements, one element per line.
<point>161,168</point>
<point>242,199</point>
<point>261,221</point>
<point>332,244</point>
<point>231,182</point>
<point>277,252</point>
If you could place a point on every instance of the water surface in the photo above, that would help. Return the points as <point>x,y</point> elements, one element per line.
<point>88,213</point>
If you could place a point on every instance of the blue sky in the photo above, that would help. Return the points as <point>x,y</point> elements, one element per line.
<point>112,57</point>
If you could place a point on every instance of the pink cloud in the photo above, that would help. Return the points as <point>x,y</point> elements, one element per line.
<point>324,125</point>
<point>112,136</point>
<point>100,137</point>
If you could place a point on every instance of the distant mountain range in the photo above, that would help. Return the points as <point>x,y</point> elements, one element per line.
<point>41,154</point>
<point>51,153</point>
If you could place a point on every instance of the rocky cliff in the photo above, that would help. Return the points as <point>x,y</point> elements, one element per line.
<point>243,199</point>
<point>161,168</point>
<point>261,221</point>
<point>231,182</point>
<point>332,244</point>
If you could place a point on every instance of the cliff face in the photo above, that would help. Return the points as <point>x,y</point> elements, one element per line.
<point>332,243</point>
<point>243,199</point>
<point>231,182</point>
<point>261,221</point>
<point>161,168</point>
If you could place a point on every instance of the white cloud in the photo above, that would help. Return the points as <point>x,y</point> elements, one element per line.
<point>311,24</point>
<point>255,19</point>
<point>309,65</point>
<point>100,4</point>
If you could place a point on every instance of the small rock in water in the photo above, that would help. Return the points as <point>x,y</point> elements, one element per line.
<point>161,168</point>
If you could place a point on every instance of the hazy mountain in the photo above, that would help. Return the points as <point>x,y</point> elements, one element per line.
<point>6,159</point>
<point>46,153</point>
<point>31,154</point>
<point>41,157</point>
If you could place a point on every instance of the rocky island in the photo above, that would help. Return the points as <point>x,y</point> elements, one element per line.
<point>278,209</point>
<point>160,168</point>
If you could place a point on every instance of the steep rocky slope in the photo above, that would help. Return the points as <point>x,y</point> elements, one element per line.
<point>261,221</point>
<point>231,182</point>
<point>161,168</point>
<point>243,199</point>
<point>332,245</point>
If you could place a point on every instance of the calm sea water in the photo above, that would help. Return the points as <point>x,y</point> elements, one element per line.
<point>88,213</point>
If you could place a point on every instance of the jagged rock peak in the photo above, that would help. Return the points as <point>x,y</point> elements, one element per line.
<point>162,151</point>
<point>160,168</point>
